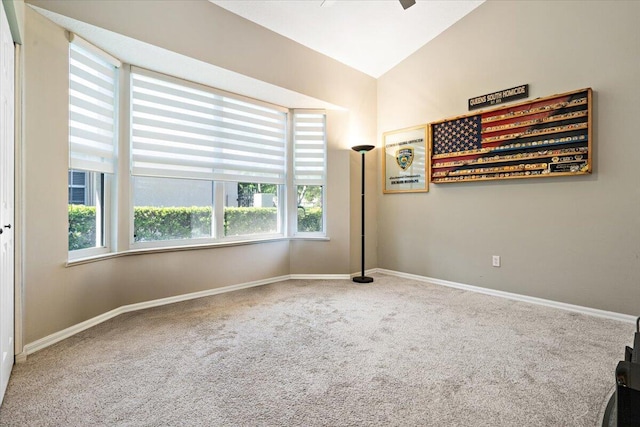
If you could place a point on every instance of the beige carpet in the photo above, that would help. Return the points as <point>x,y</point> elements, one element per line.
<point>327,353</point>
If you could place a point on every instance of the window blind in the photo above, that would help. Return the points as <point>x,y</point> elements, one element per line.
<point>92,108</point>
<point>184,130</point>
<point>309,147</point>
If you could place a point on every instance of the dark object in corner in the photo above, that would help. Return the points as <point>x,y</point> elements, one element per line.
<point>406,4</point>
<point>623,409</point>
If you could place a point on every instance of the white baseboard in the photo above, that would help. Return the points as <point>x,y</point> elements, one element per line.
<point>331,276</point>
<point>32,347</point>
<point>366,273</point>
<point>319,277</point>
<point>49,340</point>
<point>517,297</point>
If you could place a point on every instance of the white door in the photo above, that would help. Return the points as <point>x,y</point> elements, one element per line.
<point>6,201</point>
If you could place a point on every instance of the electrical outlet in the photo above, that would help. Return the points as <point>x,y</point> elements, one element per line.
<point>496,261</point>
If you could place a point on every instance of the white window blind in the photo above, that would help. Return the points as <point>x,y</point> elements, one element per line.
<point>309,147</point>
<point>185,130</point>
<point>92,108</point>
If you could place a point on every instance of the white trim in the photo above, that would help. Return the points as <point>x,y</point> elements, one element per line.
<point>76,39</point>
<point>313,237</point>
<point>72,330</point>
<point>369,272</point>
<point>88,253</point>
<point>193,243</point>
<point>627,318</point>
<point>319,277</point>
<point>19,197</point>
<point>163,249</point>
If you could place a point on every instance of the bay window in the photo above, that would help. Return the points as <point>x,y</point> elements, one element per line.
<point>205,165</point>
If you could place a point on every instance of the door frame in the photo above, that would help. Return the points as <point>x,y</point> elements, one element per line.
<point>7,176</point>
<point>18,219</point>
<point>15,12</point>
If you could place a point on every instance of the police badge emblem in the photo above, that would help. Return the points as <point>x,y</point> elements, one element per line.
<point>404,157</point>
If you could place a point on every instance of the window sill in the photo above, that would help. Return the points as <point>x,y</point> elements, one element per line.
<point>178,248</point>
<point>312,238</point>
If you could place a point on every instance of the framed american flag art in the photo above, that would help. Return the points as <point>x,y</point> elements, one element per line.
<point>543,137</point>
<point>405,161</point>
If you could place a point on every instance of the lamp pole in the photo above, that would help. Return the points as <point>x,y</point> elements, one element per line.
<point>362,149</point>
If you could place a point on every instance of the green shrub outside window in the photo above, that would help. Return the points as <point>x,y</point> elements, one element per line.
<point>171,223</point>
<point>175,223</point>
<point>310,208</point>
<point>82,227</point>
<point>309,220</point>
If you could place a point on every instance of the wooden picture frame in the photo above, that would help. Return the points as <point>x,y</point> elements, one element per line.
<point>539,138</point>
<point>405,160</point>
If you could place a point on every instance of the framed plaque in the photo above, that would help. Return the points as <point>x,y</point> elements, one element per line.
<point>405,162</point>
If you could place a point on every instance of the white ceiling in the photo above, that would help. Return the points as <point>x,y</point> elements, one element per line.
<point>372,36</point>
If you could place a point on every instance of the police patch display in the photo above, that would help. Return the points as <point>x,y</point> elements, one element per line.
<point>405,162</point>
<point>540,138</point>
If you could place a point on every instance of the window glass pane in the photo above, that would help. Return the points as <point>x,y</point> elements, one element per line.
<point>86,211</point>
<point>78,187</point>
<point>77,196</point>
<point>171,209</point>
<point>310,208</point>
<point>250,208</point>
<point>78,177</point>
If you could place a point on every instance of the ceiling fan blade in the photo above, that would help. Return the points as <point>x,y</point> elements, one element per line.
<point>406,4</point>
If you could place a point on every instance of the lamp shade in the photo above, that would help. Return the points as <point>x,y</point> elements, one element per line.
<point>363,148</point>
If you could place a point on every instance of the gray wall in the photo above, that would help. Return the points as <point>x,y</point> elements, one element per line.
<point>56,296</point>
<point>574,239</point>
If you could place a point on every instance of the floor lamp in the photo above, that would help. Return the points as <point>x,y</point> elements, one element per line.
<point>362,149</point>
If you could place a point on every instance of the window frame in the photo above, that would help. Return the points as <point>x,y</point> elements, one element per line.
<point>281,213</point>
<point>293,183</point>
<point>108,201</point>
<point>106,223</point>
<point>133,244</point>
<point>311,234</point>
<point>217,226</point>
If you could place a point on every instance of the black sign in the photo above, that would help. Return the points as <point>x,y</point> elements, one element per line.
<point>567,167</point>
<point>518,92</point>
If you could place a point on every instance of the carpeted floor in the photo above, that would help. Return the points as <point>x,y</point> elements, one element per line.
<point>327,353</point>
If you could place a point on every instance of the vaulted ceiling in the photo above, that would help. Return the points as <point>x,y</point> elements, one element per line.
<point>369,35</point>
